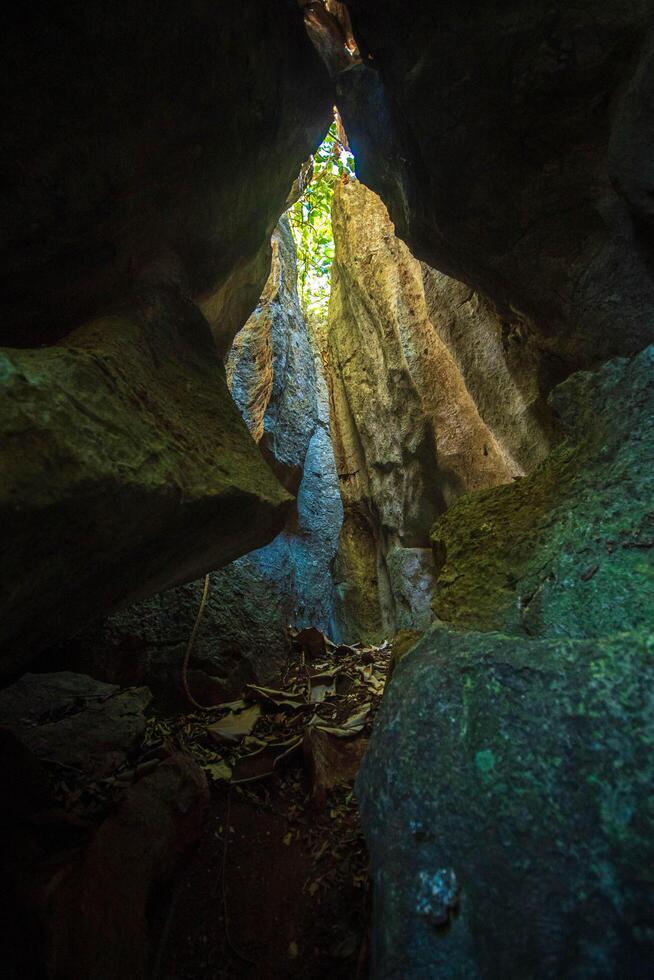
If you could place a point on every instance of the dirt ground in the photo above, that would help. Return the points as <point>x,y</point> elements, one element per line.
<point>278,885</point>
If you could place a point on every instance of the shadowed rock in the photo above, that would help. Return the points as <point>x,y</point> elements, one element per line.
<point>518,769</point>
<point>154,133</point>
<point>516,763</point>
<point>277,383</point>
<point>487,133</point>
<point>569,550</point>
<point>126,469</point>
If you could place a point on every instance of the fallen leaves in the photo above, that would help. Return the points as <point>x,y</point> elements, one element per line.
<point>316,718</point>
<point>235,725</point>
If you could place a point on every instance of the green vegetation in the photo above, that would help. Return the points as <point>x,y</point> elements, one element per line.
<point>311,221</point>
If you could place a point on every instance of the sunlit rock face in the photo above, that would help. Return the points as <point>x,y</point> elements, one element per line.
<point>126,469</point>
<point>512,149</point>
<point>158,139</point>
<point>512,754</point>
<point>432,396</point>
<point>276,381</point>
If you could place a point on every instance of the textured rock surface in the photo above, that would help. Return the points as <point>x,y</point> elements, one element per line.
<point>487,134</point>
<point>411,355</point>
<point>520,769</point>
<point>569,550</point>
<point>126,468</point>
<point>73,720</point>
<point>132,853</point>
<point>277,384</point>
<point>158,140</point>
<point>505,792</point>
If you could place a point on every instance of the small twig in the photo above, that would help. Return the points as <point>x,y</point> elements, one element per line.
<point>252,779</point>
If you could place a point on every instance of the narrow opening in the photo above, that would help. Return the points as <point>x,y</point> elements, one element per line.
<point>311,219</point>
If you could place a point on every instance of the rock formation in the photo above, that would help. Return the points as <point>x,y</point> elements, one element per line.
<point>147,158</point>
<point>70,749</point>
<point>490,387</point>
<point>276,380</point>
<point>159,142</point>
<point>510,149</point>
<point>126,468</point>
<point>517,847</point>
<point>432,396</point>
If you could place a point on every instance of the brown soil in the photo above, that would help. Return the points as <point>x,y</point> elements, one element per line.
<point>278,885</point>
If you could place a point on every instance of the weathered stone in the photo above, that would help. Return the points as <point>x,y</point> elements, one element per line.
<point>412,578</point>
<point>97,922</point>
<point>568,550</point>
<point>506,374</point>
<point>515,767</point>
<point>487,136</point>
<point>271,368</point>
<point>73,720</point>
<point>126,469</point>
<point>154,133</point>
<point>277,383</point>
<point>505,800</point>
<point>410,353</point>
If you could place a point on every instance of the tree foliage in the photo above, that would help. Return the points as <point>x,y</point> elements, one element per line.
<point>311,222</point>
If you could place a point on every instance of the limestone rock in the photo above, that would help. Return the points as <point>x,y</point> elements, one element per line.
<point>271,368</point>
<point>516,772</point>
<point>151,135</point>
<point>277,383</point>
<point>506,374</point>
<point>568,550</point>
<point>487,135</point>
<point>429,400</point>
<point>126,468</point>
<point>516,766</point>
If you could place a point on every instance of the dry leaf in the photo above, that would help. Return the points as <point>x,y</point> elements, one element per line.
<point>219,772</point>
<point>289,699</point>
<point>236,725</point>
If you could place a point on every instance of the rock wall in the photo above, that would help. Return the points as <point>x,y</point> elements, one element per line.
<point>433,395</point>
<point>511,149</point>
<point>126,468</point>
<point>149,152</point>
<point>154,140</point>
<point>518,847</point>
<point>275,378</point>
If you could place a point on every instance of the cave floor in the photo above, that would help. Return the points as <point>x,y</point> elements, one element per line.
<point>278,884</point>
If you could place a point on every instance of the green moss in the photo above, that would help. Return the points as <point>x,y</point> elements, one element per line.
<point>567,550</point>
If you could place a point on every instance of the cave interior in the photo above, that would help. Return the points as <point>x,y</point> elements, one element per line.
<point>327,491</point>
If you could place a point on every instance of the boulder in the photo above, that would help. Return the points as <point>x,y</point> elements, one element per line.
<point>505,793</point>
<point>126,468</point>
<point>568,550</point>
<point>88,835</point>
<point>275,377</point>
<point>98,916</point>
<point>505,801</point>
<point>72,720</point>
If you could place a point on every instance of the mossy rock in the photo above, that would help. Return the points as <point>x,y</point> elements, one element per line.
<point>506,800</point>
<point>569,549</point>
